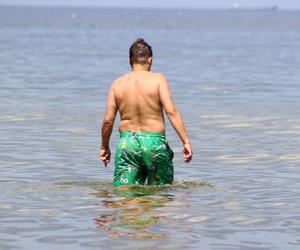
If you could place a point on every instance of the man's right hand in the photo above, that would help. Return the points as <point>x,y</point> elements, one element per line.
<point>104,155</point>
<point>187,152</point>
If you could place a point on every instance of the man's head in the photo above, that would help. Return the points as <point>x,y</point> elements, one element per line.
<point>140,52</point>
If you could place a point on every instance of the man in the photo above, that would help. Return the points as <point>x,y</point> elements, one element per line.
<point>140,96</point>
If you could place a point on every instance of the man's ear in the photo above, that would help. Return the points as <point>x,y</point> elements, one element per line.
<point>149,60</point>
<point>129,62</point>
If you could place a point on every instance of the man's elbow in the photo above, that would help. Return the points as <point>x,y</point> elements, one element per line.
<point>172,113</point>
<point>108,123</point>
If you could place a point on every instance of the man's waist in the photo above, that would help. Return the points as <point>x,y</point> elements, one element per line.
<point>141,134</point>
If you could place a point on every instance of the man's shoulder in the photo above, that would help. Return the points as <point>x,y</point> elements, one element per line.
<point>155,75</point>
<point>161,78</point>
<point>120,79</point>
<point>158,77</point>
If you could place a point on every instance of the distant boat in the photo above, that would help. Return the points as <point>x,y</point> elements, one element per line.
<point>236,6</point>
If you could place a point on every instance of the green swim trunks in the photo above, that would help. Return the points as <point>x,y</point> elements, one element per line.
<point>143,155</point>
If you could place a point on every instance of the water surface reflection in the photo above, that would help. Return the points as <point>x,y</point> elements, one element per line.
<point>133,210</point>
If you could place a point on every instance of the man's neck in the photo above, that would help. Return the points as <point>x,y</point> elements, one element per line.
<point>140,67</point>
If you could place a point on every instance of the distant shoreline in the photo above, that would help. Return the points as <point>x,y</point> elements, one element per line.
<point>240,9</point>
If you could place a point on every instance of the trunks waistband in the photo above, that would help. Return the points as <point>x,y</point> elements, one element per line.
<point>150,134</point>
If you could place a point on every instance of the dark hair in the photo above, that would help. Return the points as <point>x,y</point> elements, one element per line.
<point>139,52</point>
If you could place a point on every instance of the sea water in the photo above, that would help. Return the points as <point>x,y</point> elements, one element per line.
<point>235,78</point>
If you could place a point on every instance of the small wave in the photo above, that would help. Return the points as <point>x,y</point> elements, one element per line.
<point>100,185</point>
<point>193,183</point>
<point>11,119</point>
<point>239,125</point>
<point>243,158</point>
<point>95,185</point>
<point>25,186</point>
<point>290,157</point>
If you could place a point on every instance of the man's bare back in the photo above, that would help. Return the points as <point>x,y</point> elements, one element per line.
<point>138,100</point>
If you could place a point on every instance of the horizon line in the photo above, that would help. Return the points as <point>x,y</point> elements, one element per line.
<point>253,8</point>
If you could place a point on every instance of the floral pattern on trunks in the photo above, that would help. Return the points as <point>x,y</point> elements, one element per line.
<point>143,155</point>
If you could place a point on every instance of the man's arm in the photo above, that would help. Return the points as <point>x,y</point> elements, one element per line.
<point>174,116</point>
<point>107,126</point>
